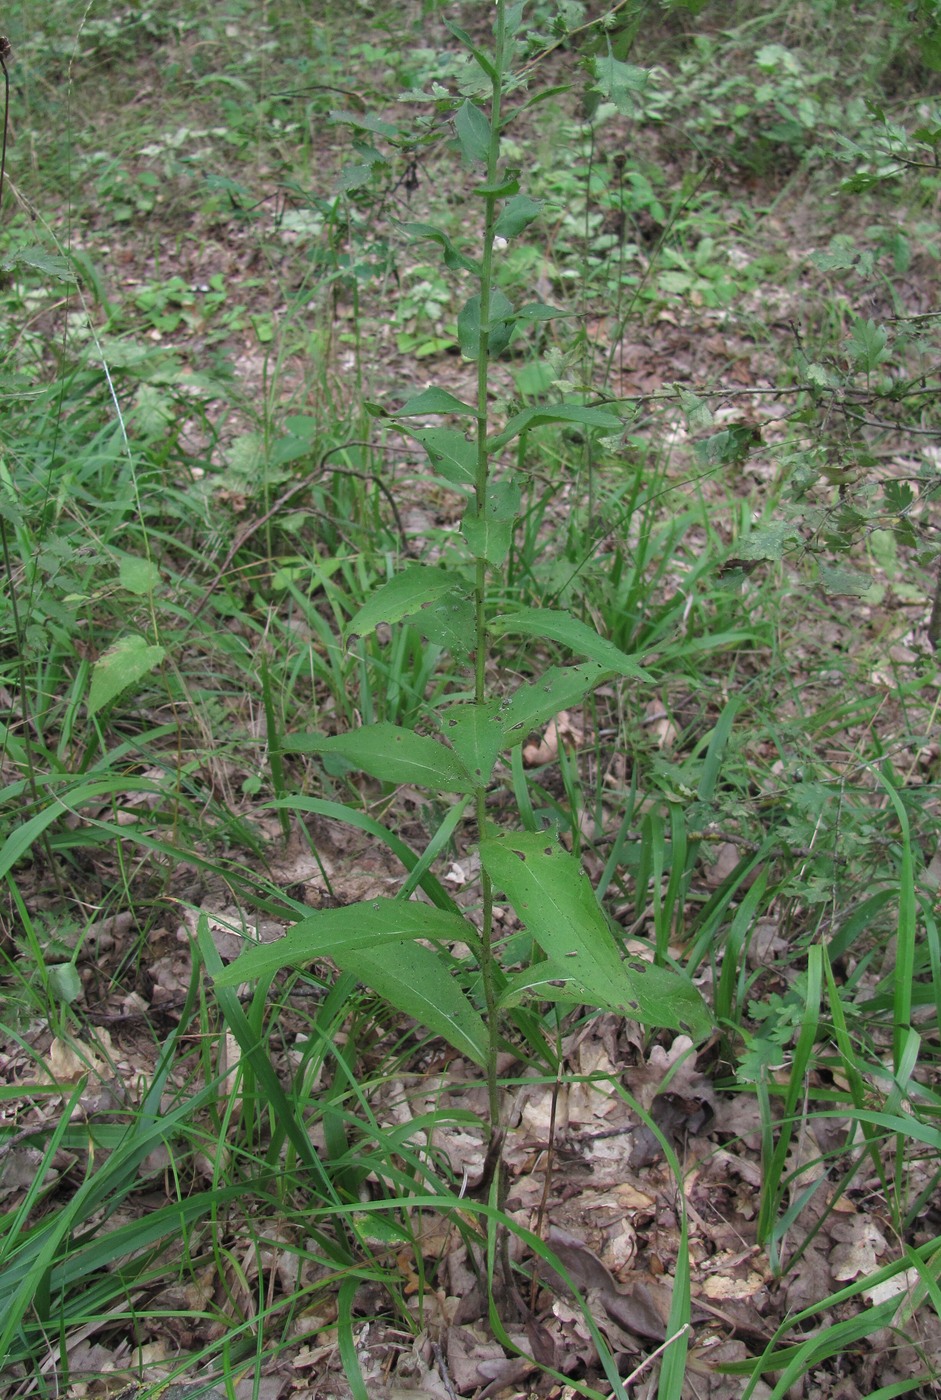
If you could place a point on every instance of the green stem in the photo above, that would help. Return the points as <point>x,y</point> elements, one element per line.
<point>488,962</point>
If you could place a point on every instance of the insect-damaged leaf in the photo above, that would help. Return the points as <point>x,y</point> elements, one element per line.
<point>414,588</point>
<point>552,896</point>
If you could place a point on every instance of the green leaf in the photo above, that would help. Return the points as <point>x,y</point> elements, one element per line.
<point>52,264</point>
<point>64,981</point>
<point>123,664</point>
<point>331,933</point>
<point>557,413</point>
<point>416,586</point>
<point>392,754</point>
<point>838,579</point>
<point>732,445</point>
<point>505,185</point>
<point>372,940</point>
<point>453,258</point>
<point>539,311</point>
<point>489,532</point>
<point>552,896</point>
<point>769,541</point>
<point>416,981</point>
<point>476,734</point>
<point>431,401</point>
<point>486,539</point>
<point>578,636</point>
<point>698,414</point>
<point>866,347</point>
<point>842,253</point>
<point>449,452</point>
<point>23,835</point>
<point>482,58</point>
<point>366,122</point>
<point>540,982</point>
<point>473,131</point>
<point>619,82</point>
<point>469,327</point>
<point>558,688</point>
<point>517,214</point>
<point>264,327</point>
<point>353,176</point>
<point>448,622</point>
<point>138,576</point>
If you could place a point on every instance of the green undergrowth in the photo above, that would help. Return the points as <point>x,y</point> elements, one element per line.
<point>505,448</point>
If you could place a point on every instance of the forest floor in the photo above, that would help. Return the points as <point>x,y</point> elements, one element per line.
<point>246,284</point>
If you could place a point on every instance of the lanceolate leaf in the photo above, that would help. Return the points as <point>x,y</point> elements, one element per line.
<point>432,401</point>
<point>482,57</point>
<point>558,688</point>
<point>543,981</point>
<point>373,941</point>
<point>539,311</point>
<point>476,734</point>
<point>403,595</point>
<point>416,981</point>
<point>473,131</point>
<point>552,896</point>
<point>332,933</point>
<point>557,413</point>
<point>449,452</point>
<point>516,215</point>
<point>578,636</point>
<point>392,754</point>
<point>454,259</point>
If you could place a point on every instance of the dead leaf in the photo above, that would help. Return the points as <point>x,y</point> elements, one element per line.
<point>561,730</point>
<point>634,1307</point>
<point>860,1244</point>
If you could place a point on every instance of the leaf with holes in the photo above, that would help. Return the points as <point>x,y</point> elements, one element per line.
<point>476,734</point>
<point>576,635</point>
<point>414,588</point>
<point>558,688</point>
<point>488,533</point>
<point>449,452</point>
<point>552,896</point>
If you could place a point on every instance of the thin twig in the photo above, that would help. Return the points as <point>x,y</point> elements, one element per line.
<point>687,1327</point>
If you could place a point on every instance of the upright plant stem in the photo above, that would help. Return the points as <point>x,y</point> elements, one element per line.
<point>488,967</point>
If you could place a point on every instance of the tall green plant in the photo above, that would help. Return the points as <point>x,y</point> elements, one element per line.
<point>399,946</point>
